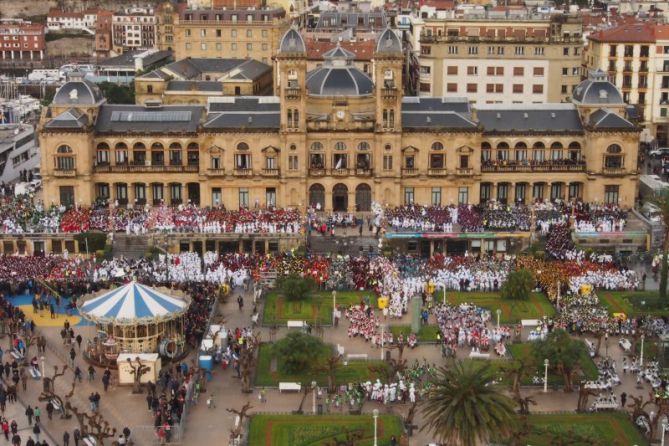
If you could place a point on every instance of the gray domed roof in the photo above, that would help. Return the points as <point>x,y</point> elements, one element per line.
<point>597,90</point>
<point>388,42</point>
<point>338,76</point>
<point>77,91</point>
<point>292,42</point>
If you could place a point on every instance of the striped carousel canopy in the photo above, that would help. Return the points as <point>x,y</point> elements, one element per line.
<point>133,302</point>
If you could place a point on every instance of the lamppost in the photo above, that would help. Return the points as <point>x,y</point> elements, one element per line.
<point>313,397</point>
<point>42,359</point>
<point>545,375</point>
<point>443,286</point>
<point>641,357</point>
<point>558,295</point>
<point>665,425</point>
<point>499,312</point>
<point>375,414</point>
<point>334,305</point>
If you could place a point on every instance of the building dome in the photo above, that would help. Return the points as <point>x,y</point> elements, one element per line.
<point>388,42</point>
<point>77,91</point>
<point>338,76</point>
<point>597,89</point>
<point>292,42</point>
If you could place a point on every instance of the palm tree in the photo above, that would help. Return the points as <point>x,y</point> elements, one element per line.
<point>463,408</point>
<point>661,200</point>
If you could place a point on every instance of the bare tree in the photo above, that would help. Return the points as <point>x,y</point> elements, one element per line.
<point>236,431</point>
<point>94,425</point>
<point>138,369</point>
<point>248,359</point>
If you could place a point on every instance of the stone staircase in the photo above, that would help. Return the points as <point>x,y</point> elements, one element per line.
<point>344,245</point>
<point>130,246</point>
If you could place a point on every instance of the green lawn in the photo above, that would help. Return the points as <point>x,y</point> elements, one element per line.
<point>426,333</point>
<point>318,307</point>
<point>300,430</point>
<point>633,303</point>
<point>520,350</point>
<point>603,429</point>
<point>512,311</point>
<point>353,372</point>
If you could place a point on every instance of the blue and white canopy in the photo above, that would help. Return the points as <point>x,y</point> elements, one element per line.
<point>133,303</point>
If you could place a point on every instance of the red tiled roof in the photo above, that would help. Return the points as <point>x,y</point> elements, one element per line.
<point>638,32</point>
<point>363,50</point>
<point>60,13</point>
<point>440,5</point>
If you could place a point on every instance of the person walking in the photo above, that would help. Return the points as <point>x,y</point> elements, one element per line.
<point>106,379</point>
<point>5,428</point>
<point>37,413</point>
<point>49,410</point>
<point>240,302</point>
<point>66,438</point>
<point>29,414</point>
<point>73,355</point>
<point>31,442</point>
<point>77,437</point>
<point>79,339</point>
<point>37,431</point>
<point>16,440</point>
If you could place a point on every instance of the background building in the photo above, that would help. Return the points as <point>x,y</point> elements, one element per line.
<point>636,58</point>
<point>133,29</point>
<point>505,59</point>
<point>20,39</point>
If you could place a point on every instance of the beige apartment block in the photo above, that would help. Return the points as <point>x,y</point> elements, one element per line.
<point>512,60</point>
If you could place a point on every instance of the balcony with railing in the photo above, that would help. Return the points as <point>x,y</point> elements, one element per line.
<point>65,172</point>
<point>141,168</point>
<point>341,172</point>
<point>317,172</point>
<point>409,172</point>
<point>438,172</point>
<point>243,172</point>
<point>363,172</point>
<point>463,171</point>
<point>533,166</point>
<point>270,172</point>
<point>216,172</point>
<point>614,171</point>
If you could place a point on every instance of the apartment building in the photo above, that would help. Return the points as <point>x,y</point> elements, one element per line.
<point>103,34</point>
<point>133,29</point>
<point>501,59</point>
<point>20,39</point>
<point>229,33</point>
<point>58,20</point>
<point>636,58</point>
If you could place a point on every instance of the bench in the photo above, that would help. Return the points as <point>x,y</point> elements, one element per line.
<point>56,405</point>
<point>89,441</point>
<point>340,350</point>
<point>358,356</point>
<point>35,373</point>
<point>530,322</point>
<point>16,354</point>
<point>625,344</point>
<point>295,324</point>
<point>479,355</point>
<point>290,387</point>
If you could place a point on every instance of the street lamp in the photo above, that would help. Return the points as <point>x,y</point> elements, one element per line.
<point>42,359</point>
<point>545,375</point>
<point>443,286</point>
<point>375,414</point>
<point>313,397</point>
<point>499,312</point>
<point>641,358</point>
<point>665,426</point>
<point>382,340</point>
<point>334,306</point>
<point>558,295</point>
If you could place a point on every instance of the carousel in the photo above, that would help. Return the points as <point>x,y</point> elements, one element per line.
<point>135,318</point>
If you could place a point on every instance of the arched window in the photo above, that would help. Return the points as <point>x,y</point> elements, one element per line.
<point>64,159</point>
<point>121,153</point>
<point>502,151</point>
<point>102,154</point>
<point>242,146</point>
<point>539,152</point>
<point>575,152</point>
<point>388,148</point>
<point>139,154</point>
<point>437,146</point>
<point>614,158</point>
<point>316,146</point>
<point>486,150</point>
<point>193,154</point>
<point>157,154</point>
<point>521,152</point>
<point>340,145</point>
<point>556,151</point>
<point>175,154</point>
<point>363,146</point>
<point>293,120</point>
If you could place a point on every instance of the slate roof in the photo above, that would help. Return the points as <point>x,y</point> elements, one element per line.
<point>534,118</point>
<point>292,42</point>
<point>339,81</point>
<point>69,119</point>
<point>137,118</point>
<point>78,92</point>
<point>193,68</point>
<point>388,42</point>
<point>250,69</point>
<point>245,104</point>
<point>597,90</point>
<point>249,112</point>
<point>127,59</point>
<point>421,112</point>
<point>606,119</point>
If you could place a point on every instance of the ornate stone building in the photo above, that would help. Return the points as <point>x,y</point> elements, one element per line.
<point>338,139</point>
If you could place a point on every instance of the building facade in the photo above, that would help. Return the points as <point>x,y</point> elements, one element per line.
<point>636,58</point>
<point>338,139</point>
<point>500,60</point>
<point>134,29</point>
<point>22,40</point>
<point>229,33</point>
